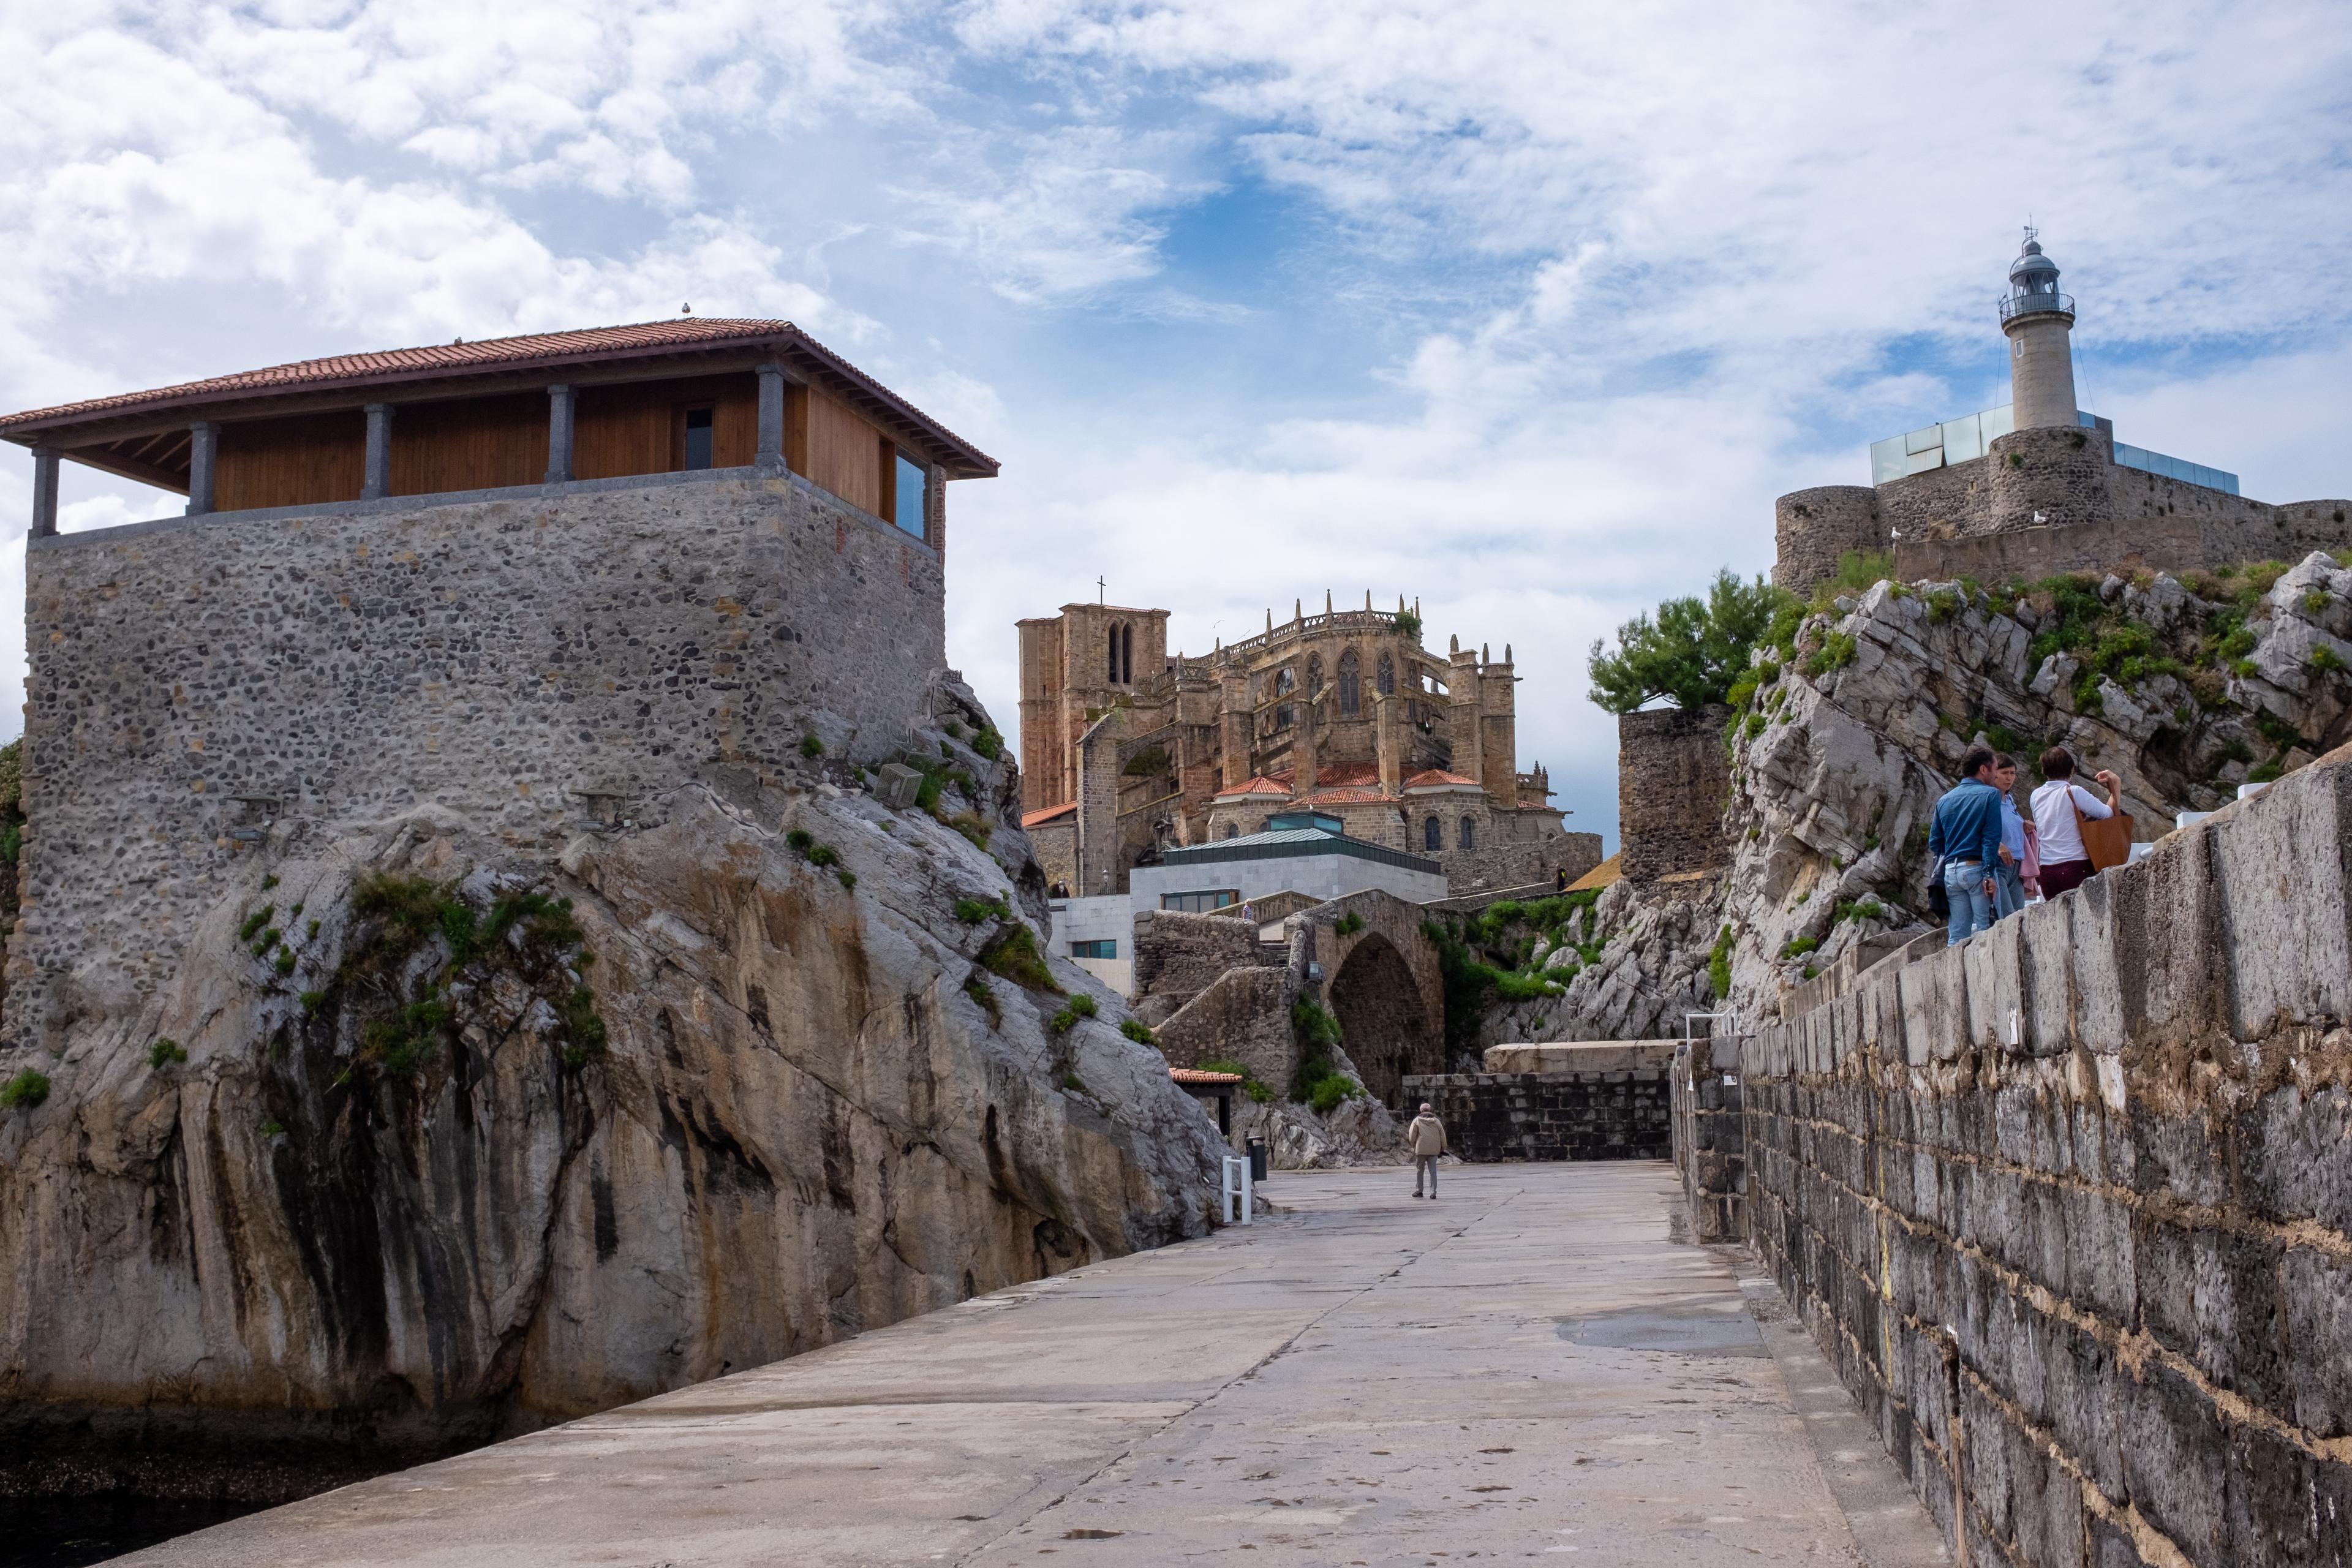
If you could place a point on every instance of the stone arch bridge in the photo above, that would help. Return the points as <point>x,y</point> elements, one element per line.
<point>1214,992</point>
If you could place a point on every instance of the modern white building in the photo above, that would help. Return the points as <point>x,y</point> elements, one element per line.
<point>1299,852</point>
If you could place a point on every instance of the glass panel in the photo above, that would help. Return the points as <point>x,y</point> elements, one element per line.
<point>1995,423</point>
<point>1962,440</point>
<point>697,437</point>
<point>911,482</point>
<point>1917,441</point>
<point>1885,463</point>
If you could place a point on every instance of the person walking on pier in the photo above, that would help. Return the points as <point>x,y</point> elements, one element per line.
<point>1964,838</point>
<point>1426,1138</point>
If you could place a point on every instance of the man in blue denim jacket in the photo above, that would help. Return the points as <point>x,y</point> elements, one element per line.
<point>1966,831</point>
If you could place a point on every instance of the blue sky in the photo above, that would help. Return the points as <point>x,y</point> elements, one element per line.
<point>1526,311</point>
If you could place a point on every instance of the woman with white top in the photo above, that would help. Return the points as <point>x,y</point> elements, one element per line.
<point>2066,864</point>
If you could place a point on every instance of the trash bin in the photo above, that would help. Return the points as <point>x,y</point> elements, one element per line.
<point>1258,1159</point>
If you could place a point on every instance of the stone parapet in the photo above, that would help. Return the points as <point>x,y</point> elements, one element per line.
<point>1710,1137</point>
<point>1579,1056</point>
<point>2055,475</point>
<point>2070,1206</point>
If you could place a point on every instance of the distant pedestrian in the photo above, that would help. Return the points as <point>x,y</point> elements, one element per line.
<point>1559,880</point>
<point>1964,838</point>
<point>2008,880</point>
<point>2058,807</point>
<point>1426,1138</point>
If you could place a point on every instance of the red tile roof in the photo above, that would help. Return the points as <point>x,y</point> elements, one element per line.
<point>1032,818</point>
<point>1194,1075</point>
<point>1258,785</point>
<point>1350,796</point>
<point>1438,778</point>
<point>435,361</point>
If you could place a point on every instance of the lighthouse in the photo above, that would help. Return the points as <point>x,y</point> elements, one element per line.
<point>2040,323</point>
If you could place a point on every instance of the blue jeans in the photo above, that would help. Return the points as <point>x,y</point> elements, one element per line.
<point>2008,892</point>
<point>1971,909</point>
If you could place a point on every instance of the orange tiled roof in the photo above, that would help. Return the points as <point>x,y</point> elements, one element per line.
<point>1032,818</point>
<point>434,360</point>
<point>1194,1075</point>
<point>1438,778</point>
<point>1258,785</point>
<point>1350,796</point>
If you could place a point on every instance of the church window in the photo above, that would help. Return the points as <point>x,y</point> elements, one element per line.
<point>1113,677</point>
<point>1469,835</point>
<point>1350,698</point>
<point>1232,830</point>
<point>1127,655</point>
<point>1284,682</point>
<point>1386,677</point>
<point>1432,835</point>
<point>1314,674</point>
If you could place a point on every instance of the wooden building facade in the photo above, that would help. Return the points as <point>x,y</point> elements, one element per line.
<point>514,413</point>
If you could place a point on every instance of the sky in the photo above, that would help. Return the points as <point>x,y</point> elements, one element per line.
<point>1523,309</point>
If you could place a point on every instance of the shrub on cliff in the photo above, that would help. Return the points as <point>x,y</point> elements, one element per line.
<point>1695,650</point>
<point>25,1090</point>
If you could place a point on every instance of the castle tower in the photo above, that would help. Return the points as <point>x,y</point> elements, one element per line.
<point>2040,323</point>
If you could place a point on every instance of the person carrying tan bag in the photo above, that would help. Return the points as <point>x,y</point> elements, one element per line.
<point>2080,833</point>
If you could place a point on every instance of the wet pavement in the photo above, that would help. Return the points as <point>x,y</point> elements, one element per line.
<point>1531,1366</point>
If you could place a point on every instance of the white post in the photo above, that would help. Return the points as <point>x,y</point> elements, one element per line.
<point>1239,1190</point>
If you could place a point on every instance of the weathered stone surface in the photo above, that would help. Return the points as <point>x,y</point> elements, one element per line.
<point>815,1113</point>
<point>1620,1114</point>
<point>2091,1265</point>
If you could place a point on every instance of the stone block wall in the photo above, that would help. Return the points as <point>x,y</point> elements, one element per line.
<point>2058,474</point>
<point>1622,1114</point>
<point>1244,1017</point>
<point>1814,529</point>
<point>1520,864</point>
<point>2070,1206</point>
<point>199,687</point>
<point>1179,955</point>
<point>1673,777</point>
<point>1711,1138</point>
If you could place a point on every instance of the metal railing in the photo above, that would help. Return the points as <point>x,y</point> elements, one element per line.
<point>2015,305</point>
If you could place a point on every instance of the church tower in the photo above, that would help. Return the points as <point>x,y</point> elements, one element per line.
<point>2040,323</point>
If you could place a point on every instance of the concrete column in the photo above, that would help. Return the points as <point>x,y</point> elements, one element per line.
<point>560,402</point>
<point>204,446</point>
<point>771,456</point>
<point>378,483</point>
<point>45,491</point>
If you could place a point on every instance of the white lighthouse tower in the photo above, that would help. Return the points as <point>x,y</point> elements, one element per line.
<point>2040,323</point>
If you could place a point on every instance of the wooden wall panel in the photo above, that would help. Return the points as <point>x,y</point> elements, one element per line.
<point>468,443</point>
<point>845,452</point>
<point>640,428</point>
<point>297,461</point>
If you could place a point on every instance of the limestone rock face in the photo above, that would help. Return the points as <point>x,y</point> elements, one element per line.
<point>774,1110</point>
<point>1359,1131</point>
<point>1835,773</point>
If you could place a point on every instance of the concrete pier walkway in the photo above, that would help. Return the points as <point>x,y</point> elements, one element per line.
<point>1529,1367</point>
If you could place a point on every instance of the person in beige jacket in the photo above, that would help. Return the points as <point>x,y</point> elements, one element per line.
<point>1426,1138</point>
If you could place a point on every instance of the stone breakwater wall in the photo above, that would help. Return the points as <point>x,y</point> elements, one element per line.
<point>2070,1206</point>
<point>1711,1137</point>
<point>1623,1113</point>
<point>196,688</point>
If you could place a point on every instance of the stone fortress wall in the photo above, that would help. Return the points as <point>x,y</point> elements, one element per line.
<point>537,666</point>
<point>2070,1206</point>
<point>2042,502</point>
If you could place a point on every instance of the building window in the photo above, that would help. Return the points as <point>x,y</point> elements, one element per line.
<point>1314,674</point>
<point>1469,833</point>
<point>1386,675</point>
<point>1432,835</point>
<point>1113,676</point>
<point>1201,903</point>
<point>913,486</point>
<point>1127,655</point>
<point>1284,682</point>
<point>1232,830</point>
<point>697,437</point>
<point>1094,950</point>
<point>1351,697</point>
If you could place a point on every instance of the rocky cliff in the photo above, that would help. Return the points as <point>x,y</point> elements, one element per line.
<point>427,1142</point>
<point>1852,723</point>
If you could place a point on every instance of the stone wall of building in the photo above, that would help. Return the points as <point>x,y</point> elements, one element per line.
<point>1622,1113</point>
<point>2179,541</point>
<point>1243,1016</point>
<point>1937,504</point>
<point>532,666</point>
<point>1521,864</point>
<point>1179,955</point>
<point>1815,529</point>
<point>2070,1206</point>
<point>2053,476</point>
<point>1673,777</point>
